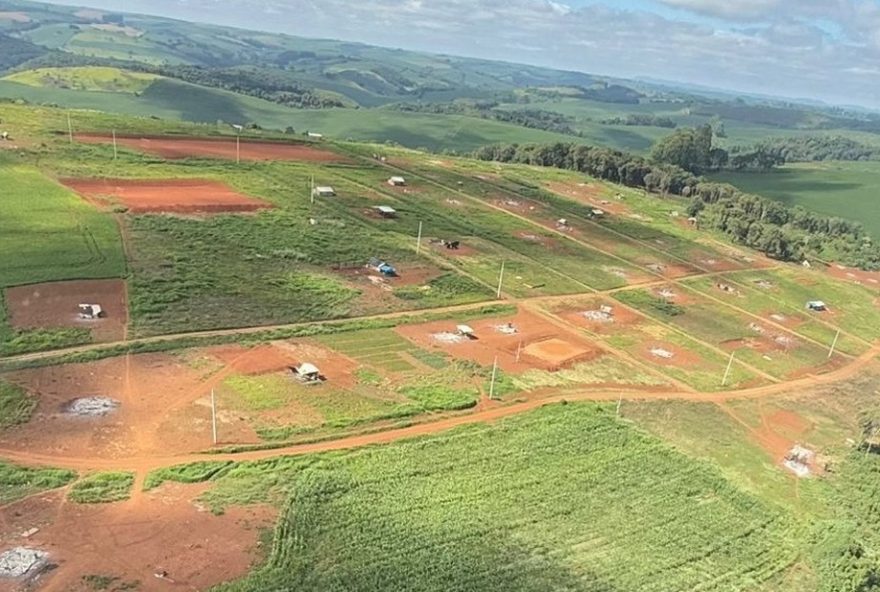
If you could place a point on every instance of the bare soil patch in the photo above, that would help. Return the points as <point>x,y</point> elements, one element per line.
<point>494,339</point>
<point>164,531</point>
<point>225,148</point>
<point>669,354</point>
<point>588,193</point>
<point>55,304</point>
<point>869,279</point>
<point>163,407</point>
<point>593,316</point>
<point>166,195</point>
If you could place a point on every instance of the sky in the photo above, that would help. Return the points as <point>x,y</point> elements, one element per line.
<point>825,50</point>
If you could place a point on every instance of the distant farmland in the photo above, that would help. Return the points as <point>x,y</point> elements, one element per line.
<point>845,189</point>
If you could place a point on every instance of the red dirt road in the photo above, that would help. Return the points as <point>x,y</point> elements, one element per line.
<point>54,305</point>
<point>168,195</point>
<point>174,148</point>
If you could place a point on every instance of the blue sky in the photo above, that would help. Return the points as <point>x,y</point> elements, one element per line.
<point>818,49</point>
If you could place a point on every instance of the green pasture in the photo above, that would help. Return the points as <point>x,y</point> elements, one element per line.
<point>565,467</point>
<point>844,189</point>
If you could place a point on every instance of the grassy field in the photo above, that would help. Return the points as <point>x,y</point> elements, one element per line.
<point>102,488</point>
<point>845,189</point>
<point>19,482</point>
<point>51,234</point>
<point>16,405</point>
<point>537,506</point>
<point>85,78</point>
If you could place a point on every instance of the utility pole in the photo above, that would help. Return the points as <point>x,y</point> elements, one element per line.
<point>500,281</point>
<point>492,383</point>
<point>238,148</point>
<point>312,189</point>
<point>69,129</point>
<point>214,416</point>
<point>727,372</point>
<point>518,351</point>
<point>419,240</point>
<point>833,344</point>
<point>115,150</point>
<point>619,403</point>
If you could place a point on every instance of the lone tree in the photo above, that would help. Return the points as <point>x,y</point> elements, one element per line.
<point>690,149</point>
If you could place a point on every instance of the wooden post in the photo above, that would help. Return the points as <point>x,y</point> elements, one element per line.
<point>500,280</point>
<point>492,383</point>
<point>727,372</point>
<point>833,344</point>
<point>69,129</point>
<point>238,148</point>
<point>214,417</point>
<point>518,351</point>
<point>115,150</point>
<point>419,240</point>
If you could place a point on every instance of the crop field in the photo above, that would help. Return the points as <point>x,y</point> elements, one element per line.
<point>565,467</point>
<point>844,189</point>
<point>53,237</point>
<point>92,79</point>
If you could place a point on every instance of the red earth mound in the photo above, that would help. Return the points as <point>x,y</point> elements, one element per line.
<point>55,304</point>
<point>173,148</point>
<point>166,195</point>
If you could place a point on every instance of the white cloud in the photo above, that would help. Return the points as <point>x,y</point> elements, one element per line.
<point>824,49</point>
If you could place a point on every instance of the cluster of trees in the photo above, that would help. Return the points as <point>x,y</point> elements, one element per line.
<point>256,82</point>
<point>642,119</point>
<point>691,149</point>
<point>783,232</point>
<point>531,118</point>
<point>14,52</point>
<point>808,149</point>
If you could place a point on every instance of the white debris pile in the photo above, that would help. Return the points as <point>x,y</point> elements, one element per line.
<point>784,340</point>
<point>764,284</point>
<point>447,337</point>
<point>506,329</point>
<point>19,562</point>
<point>757,328</point>
<point>779,318</point>
<point>91,406</point>
<point>666,293</point>
<point>599,316</point>
<point>662,353</point>
<point>657,267</point>
<point>798,460</point>
<point>616,271</point>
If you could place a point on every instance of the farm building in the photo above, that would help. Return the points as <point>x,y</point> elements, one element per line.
<point>323,191</point>
<point>386,211</point>
<point>307,372</point>
<point>397,182</point>
<point>817,306</point>
<point>90,311</point>
<point>597,212</point>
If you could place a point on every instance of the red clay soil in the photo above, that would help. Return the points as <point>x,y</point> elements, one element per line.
<point>166,195</point>
<point>622,317</point>
<point>588,193</point>
<point>181,147</point>
<point>164,407</point>
<point>54,305</point>
<point>263,359</point>
<point>869,279</point>
<point>560,347</point>
<point>713,261</point>
<point>160,531</point>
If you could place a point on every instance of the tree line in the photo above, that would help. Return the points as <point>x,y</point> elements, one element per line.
<point>782,232</point>
<point>810,149</point>
<point>488,109</point>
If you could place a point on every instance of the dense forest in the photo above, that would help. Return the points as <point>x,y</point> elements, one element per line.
<point>643,119</point>
<point>809,149</point>
<point>782,232</point>
<point>14,52</point>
